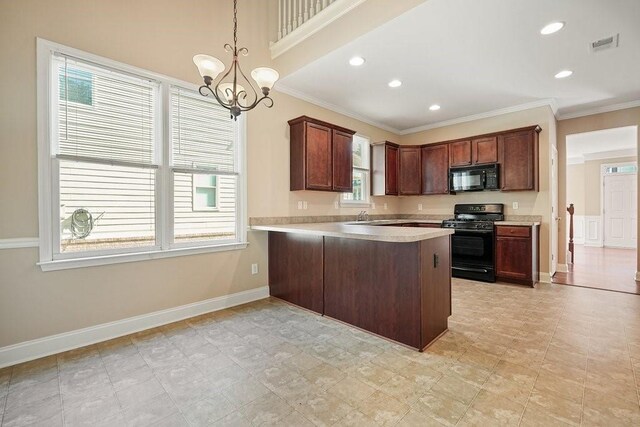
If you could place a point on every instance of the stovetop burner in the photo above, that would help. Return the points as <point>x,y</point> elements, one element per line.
<point>475,216</point>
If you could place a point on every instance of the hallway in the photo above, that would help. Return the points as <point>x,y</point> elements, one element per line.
<point>602,268</point>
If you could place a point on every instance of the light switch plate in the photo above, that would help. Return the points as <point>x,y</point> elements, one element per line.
<point>300,205</point>
<point>336,205</point>
<point>304,205</point>
<point>385,206</point>
<point>373,205</point>
<point>419,206</point>
<point>254,268</point>
<point>515,205</point>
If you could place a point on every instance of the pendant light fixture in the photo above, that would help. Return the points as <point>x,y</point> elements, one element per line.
<point>228,91</point>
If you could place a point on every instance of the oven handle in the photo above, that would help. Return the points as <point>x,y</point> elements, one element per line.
<point>470,230</point>
<point>474,270</point>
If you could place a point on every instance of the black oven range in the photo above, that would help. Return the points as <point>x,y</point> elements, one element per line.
<point>473,241</point>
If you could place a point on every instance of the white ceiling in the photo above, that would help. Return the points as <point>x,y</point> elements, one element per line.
<point>608,143</point>
<point>473,57</point>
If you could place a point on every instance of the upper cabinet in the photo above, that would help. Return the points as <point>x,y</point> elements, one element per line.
<point>518,158</point>
<point>321,156</point>
<point>435,169</point>
<point>384,168</point>
<point>460,153</point>
<point>410,182</point>
<point>484,150</point>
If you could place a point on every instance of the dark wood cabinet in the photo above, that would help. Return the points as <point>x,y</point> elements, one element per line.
<point>320,156</point>
<point>484,150</point>
<point>435,169</point>
<point>460,153</point>
<point>384,169</point>
<point>517,254</point>
<point>410,180</point>
<point>518,158</point>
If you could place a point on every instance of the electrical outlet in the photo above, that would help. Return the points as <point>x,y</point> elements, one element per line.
<point>254,268</point>
<point>304,205</point>
<point>336,205</point>
<point>515,205</point>
<point>300,205</point>
<point>419,206</point>
<point>373,205</point>
<point>385,206</point>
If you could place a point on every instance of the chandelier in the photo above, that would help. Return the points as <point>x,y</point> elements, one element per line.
<point>229,92</point>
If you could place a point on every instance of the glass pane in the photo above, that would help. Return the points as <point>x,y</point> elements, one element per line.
<point>79,85</point>
<point>622,169</point>
<point>204,213</point>
<point>105,207</point>
<point>357,152</point>
<point>205,180</point>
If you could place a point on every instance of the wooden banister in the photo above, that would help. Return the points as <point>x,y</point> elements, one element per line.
<point>571,210</point>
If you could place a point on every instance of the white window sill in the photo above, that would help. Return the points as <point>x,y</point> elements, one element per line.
<point>65,264</point>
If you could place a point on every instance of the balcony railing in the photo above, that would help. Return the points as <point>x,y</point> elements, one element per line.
<point>299,19</point>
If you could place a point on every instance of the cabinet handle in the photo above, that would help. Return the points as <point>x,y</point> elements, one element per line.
<point>436,260</point>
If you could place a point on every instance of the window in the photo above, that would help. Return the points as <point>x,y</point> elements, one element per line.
<point>360,193</point>
<point>204,194</point>
<point>629,168</point>
<point>133,166</point>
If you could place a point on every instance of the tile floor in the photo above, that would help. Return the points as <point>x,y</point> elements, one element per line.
<point>554,355</point>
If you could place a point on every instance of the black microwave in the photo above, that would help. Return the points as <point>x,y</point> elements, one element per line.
<point>474,178</point>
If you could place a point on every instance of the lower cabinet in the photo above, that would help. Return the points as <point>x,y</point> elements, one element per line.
<point>517,254</point>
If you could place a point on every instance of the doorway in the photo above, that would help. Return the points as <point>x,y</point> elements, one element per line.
<point>601,175</point>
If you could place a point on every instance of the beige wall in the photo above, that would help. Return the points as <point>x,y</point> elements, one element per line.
<point>530,203</point>
<point>575,187</point>
<point>161,36</point>
<point>620,118</point>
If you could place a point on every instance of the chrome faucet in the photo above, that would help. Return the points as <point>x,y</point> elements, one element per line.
<point>363,216</point>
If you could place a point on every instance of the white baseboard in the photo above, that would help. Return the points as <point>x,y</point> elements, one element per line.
<point>34,349</point>
<point>562,268</point>
<point>544,277</point>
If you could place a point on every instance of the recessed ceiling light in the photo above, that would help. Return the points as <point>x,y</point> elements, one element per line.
<point>434,107</point>
<point>551,28</point>
<point>395,83</point>
<point>356,61</point>
<point>564,73</point>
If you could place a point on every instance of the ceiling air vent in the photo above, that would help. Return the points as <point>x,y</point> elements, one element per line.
<point>606,43</point>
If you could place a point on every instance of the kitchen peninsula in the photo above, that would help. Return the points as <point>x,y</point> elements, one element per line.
<point>391,281</point>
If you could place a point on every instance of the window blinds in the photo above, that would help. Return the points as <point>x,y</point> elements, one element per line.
<point>103,116</point>
<point>202,135</point>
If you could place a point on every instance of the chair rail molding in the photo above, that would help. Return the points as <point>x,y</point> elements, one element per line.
<point>19,242</point>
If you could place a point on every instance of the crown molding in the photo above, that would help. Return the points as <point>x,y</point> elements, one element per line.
<point>528,106</point>
<point>332,107</point>
<point>602,155</point>
<point>598,110</point>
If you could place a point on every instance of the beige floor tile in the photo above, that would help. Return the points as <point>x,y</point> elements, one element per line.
<point>554,385</point>
<point>534,417</point>
<point>267,409</point>
<point>383,409</point>
<point>404,389</point>
<point>606,409</point>
<point>323,408</point>
<point>560,408</point>
<point>323,375</point>
<point>150,412</point>
<point>441,407</point>
<point>498,409</point>
<point>509,389</point>
<point>96,412</point>
<point>371,374</point>
<point>414,418</point>
<point>457,388</point>
<point>140,393</point>
<point>351,390</point>
<point>33,412</point>
<point>355,418</point>
<point>234,419</point>
<point>208,410</point>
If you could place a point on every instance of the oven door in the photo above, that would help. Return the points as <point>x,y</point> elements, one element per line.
<point>467,179</point>
<point>473,254</point>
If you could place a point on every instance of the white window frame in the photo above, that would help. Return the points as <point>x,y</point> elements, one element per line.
<point>367,181</point>
<point>194,187</point>
<point>48,176</point>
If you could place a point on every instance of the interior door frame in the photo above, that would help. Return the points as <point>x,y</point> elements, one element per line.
<point>603,168</point>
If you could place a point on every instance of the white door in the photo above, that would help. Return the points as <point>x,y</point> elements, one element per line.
<point>554,211</point>
<point>620,210</point>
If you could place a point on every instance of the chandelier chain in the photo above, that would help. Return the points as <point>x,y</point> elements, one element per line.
<point>235,24</point>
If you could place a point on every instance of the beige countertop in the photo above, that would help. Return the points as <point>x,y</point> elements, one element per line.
<point>352,230</point>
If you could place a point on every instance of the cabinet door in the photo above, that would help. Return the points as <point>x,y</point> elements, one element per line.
<point>435,169</point>
<point>484,150</point>
<point>391,170</point>
<point>514,258</point>
<point>518,157</point>
<point>342,161</point>
<point>410,176</point>
<point>318,157</point>
<point>460,153</point>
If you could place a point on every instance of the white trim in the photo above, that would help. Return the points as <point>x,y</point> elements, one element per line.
<point>320,20</point>
<point>34,349</point>
<point>637,277</point>
<point>19,242</point>
<point>593,231</point>
<point>602,155</point>
<point>603,175</point>
<point>279,87</point>
<point>545,277</point>
<point>493,113</point>
<point>562,268</point>
<point>598,110</point>
<point>64,264</point>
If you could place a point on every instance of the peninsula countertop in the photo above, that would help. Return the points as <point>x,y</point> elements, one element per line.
<point>353,230</point>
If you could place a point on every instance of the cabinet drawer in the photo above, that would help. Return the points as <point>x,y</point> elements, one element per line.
<point>503,230</point>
